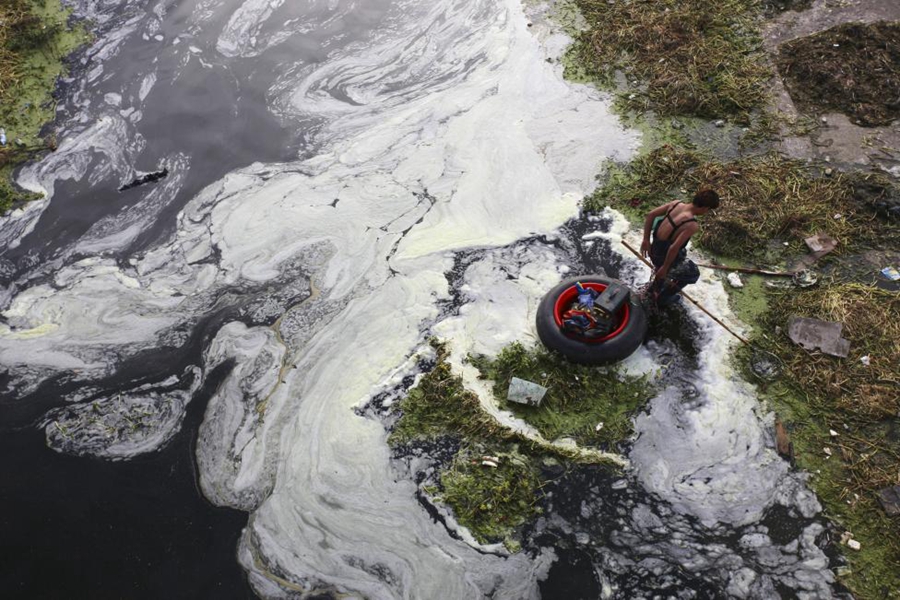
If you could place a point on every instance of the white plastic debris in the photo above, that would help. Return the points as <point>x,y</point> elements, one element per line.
<point>827,451</point>
<point>832,433</point>
<point>865,360</point>
<point>599,426</point>
<point>854,544</point>
<point>489,463</point>
<point>522,391</point>
<point>735,280</point>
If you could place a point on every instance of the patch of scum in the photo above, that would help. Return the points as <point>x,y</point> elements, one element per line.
<point>446,122</point>
<point>478,121</point>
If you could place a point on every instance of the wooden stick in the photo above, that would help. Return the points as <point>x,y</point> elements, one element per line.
<point>747,270</point>
<point>694,302</point>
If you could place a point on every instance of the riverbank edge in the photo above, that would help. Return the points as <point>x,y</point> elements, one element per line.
<point>871,571</point>
<point>30,103</point>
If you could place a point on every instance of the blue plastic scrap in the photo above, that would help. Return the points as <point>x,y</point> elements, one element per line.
<point>586,296</point>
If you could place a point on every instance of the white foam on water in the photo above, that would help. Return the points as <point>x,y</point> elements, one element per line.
<point>444,130</point>
<point>474,140</point>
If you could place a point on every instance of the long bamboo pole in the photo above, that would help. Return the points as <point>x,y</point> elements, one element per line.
<point>694,302</point>
<point>747,270</point>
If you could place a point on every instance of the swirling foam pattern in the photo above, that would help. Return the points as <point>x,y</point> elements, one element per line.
<point>428,128</point>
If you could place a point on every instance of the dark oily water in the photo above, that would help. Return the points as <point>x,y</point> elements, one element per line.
<point>87,528</point>
<point>309,191</point>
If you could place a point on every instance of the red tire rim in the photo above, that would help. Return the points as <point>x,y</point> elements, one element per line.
<point>568,296</point>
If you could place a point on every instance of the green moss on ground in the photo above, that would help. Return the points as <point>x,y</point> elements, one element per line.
<point>860,403</point>
<point>690,58</point>
<point>34,38</point>
<point>764,199</point>
<point>680,57</point>
<point>494,501</point>
<point>578,397</point>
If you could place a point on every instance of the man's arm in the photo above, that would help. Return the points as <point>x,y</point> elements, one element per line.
<point>648,224</point>
<point>680,240</point>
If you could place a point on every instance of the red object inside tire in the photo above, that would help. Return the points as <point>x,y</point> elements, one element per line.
<point>565,300</point>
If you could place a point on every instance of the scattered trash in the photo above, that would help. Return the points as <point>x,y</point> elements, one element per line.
<point>891,273</point>
<point>525,392</point>
<point>846,537</point>
<point>805,278</point>
<point>854,544</point>
<point>778,284</point>
<point>719,123</point>
<point>598,427</point>
<point>765,365</point>
<point>620,484</point>
<point>890,500</point>
<point>821,244</point>
<point>747,270</point>
<point>824,335</point>
<point>146,178</point>
<point>827,451</point>
<point>2,137</point>
<point>843,571</point>
<point>490,461</point>
<point>865,360</point>
<point>832,433</point>
<point>783,444</point>
<point>735,280</point>
<point>828,172</point>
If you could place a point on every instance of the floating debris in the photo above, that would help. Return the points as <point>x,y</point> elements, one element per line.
<point>146,178</point>
<point>522,391</point>
<point>824,335</point>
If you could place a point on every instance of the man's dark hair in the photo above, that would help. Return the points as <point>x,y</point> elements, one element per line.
<point>706,199</point>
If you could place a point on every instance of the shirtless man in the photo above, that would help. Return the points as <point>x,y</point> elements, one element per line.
<point>672,225</point>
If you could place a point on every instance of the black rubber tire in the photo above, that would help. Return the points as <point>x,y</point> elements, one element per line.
<point>612,350</point>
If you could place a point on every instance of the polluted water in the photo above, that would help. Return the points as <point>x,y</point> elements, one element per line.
<point>343,181</point>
